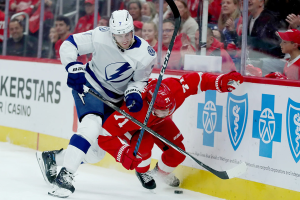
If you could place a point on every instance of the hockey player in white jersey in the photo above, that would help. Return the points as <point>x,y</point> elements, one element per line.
<point>120,68</point>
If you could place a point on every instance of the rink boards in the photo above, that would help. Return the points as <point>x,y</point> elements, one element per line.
<point>258,124</point>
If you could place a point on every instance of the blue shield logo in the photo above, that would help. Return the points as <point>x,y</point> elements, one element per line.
<point>237,114</point>
<point>293,128</point>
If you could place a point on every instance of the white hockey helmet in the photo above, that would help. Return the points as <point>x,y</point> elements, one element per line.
<point>121,22</point>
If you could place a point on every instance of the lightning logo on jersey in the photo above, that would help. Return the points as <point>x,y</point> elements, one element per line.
<point>81,97</point>
<point>118,72</point>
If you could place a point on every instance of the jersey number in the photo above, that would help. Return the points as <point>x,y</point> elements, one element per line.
<point>121,117</point>
<point>184,85</point>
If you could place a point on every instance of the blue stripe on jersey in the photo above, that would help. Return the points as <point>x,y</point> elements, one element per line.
<point>71,39</point>
<point>108,92</point>
<point>137,43</point>
<point>80,143</point>
<point>73,63</point>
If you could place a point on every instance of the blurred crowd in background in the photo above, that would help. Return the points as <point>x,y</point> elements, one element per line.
<point>268,53</point>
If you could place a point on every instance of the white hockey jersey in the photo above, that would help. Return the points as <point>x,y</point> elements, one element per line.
<point>111,71</point>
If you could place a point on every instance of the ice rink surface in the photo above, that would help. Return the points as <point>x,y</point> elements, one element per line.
<point>21,179</point>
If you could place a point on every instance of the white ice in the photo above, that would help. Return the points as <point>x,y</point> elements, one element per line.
<point>21,179</point>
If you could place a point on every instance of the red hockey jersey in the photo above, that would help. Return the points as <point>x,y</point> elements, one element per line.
<point>116,126</point>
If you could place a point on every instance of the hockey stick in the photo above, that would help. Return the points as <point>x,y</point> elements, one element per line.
<point>176,28</point>
<point>234,172</point>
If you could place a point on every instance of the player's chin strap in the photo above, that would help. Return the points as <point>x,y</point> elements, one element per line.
<point>231,173</point>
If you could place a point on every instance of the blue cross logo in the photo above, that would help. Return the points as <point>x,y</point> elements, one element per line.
<point>267,126</point>
<point>209,118</point>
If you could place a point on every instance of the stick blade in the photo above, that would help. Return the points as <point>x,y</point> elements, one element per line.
<point>237,170</point>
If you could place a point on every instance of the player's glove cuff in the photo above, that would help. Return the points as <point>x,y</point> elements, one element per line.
<point>75,67</point>
<point>133,99</point>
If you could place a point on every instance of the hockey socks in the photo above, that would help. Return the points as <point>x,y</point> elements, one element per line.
<point>75,153</point>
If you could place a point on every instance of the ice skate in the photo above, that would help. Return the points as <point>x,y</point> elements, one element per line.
<point>147,180</point>
<point>168,178</point>
<point>48,165</point>
<point>63,186</point>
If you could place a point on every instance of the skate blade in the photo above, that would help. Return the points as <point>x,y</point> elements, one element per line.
<point>42,166</point>
<point>60,192</point>
<point>153,191</point>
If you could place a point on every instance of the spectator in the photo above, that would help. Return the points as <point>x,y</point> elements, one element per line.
<point>290,44</point>
<point>134,9</point>
<point>148,11</point>
<point>216,48</point>
<point>218,35</point>
<point>175,60</point>
<point>294,21</point>
<point>86,22</point>
<point>34,19</point>
<point>20,44</point>
<point>27,6</point>
<point>104,21</point>
<point>282,9</point>
<point>214,11</point>
<point>188,24</point>
<point>149,33</point>
<point>262,27</point>
<point>53,36</point>
<point>138,28</point>
<point>166,11</point>
<point>63,26</point>
<point>229,15</point>
<point>193,7</point>
<point>2,25</point>
<point>124,5</point>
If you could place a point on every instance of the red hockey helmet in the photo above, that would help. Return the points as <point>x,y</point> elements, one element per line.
<point>164,103</point>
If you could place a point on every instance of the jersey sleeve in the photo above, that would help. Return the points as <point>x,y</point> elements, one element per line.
<point>191,84</point>
<point>76,45</point>
<point>199,82</point>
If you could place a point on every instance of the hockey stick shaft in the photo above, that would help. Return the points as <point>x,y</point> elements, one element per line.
<point>240,169</point>
<point>176,28</point>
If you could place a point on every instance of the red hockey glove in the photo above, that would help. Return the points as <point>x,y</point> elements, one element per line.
<point>126,157</point>
<point>228,82</point>
<point>277,75</point>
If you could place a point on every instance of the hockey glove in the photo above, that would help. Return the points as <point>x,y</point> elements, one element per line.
<point>277,75</point>
<point>229,82</point>
<point>76,77</point>
<point>133,99</point>
<point>126,157</point>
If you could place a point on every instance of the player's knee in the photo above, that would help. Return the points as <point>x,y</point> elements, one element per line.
<point>90,127</point>
<point>146,144</point>
<point>94,154</point>
<point>172,157</point>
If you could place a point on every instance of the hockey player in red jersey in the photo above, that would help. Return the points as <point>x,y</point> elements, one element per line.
<point>120,135</point>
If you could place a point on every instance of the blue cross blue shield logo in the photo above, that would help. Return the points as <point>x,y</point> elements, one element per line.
<point>209,118</point>
<point>237,114</point>
<point>293,128</point>
<point>267,126</point>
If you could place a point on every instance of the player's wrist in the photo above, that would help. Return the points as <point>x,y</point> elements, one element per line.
<point>120,153</point>
<point>75,67</point>
<point>218,83</point>
<point>132,90</point>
